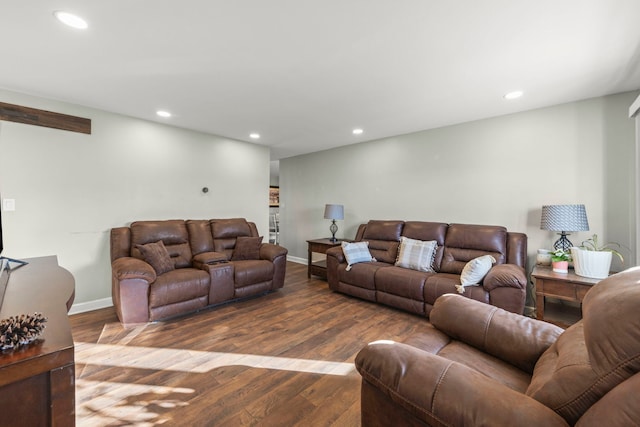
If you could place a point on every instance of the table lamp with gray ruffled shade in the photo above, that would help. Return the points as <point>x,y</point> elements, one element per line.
<point>564,218</point>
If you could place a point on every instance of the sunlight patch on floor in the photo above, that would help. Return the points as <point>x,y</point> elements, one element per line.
<point>196,361</point>
<point>133,404</point>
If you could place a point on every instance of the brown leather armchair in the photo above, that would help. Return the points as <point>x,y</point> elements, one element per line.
<point>478,365</point>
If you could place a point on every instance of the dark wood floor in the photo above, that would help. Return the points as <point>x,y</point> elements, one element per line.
<point>284,359</point>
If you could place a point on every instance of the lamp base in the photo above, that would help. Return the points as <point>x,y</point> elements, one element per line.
<point>333,228</point>
<point>563,243</point>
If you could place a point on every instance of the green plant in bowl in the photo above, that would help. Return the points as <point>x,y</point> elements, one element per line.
<point>592,244</point>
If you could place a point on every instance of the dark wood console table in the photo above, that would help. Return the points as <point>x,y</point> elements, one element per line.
<point>37,382</point>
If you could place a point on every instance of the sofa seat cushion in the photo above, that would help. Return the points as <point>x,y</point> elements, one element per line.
<point>361,275</point>
<point>251,272</point>
<point>434,341</point>
<point>445,283</point>
<point>179,285</point>
<point>402,282</point>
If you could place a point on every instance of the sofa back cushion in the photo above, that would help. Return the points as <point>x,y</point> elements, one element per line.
<point>172,233</point>
<point>465,242</point>
<point>200,236</point>
<point>422,230</point>
<point>596,354</point>
<point>384,239</point>
<point>226,231</point>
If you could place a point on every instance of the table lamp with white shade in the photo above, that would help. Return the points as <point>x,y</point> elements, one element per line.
<point>333,212</point>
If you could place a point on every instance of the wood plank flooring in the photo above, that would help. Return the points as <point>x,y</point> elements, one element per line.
<point>284,359</point>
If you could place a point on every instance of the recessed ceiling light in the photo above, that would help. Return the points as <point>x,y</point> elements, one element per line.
<point>164,114</point>
<point>357,131</point>
<point>254,135</point>
<point>71,20</point>
<point>513,95</point>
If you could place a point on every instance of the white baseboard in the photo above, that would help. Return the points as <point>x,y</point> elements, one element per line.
<point>83,307</point>
<point>297,260</point>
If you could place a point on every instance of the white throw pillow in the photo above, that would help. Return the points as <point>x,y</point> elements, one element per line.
<point>474,271</point>
<point>416,254</point>
<point>356,252</point>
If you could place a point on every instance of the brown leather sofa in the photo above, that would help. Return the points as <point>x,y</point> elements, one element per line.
<point>416,291</point>
<point>478,365</point>
<point>210,262</point>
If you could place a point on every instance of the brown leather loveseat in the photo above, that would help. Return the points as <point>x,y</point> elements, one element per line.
<point>162,269</point>
<point>416,291</point>
<point>477,365</point>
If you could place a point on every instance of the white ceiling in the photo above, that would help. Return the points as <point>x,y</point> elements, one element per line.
<point>304,73</point>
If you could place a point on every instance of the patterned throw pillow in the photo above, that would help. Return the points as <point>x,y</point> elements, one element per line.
<point>157,256</point>
<point>474,271</point>
<point>356,252</point>
<point>416,254</point>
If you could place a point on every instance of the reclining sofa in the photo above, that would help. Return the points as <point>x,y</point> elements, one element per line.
<point>478,365</point>
<point>162,269</point>
<point>386,281</point>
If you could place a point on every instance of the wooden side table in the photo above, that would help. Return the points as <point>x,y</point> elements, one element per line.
<point>320,246</point>
<point>37,382</point>
<point>567,287</point>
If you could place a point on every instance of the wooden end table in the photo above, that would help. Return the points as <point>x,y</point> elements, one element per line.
<point>567,287</point>
<point>320,246</point>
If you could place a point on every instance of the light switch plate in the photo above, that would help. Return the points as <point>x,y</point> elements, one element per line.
<point>8,205</point>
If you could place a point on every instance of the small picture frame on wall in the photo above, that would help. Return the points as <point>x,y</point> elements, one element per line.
<point>274,197</point>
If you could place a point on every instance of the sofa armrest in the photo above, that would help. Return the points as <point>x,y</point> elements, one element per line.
<point>505,275</point>
<point>278,256</point>
<point>270,252</point>
<point>511,337</point>
<point>507,287</point>
<point>437,391</point>
<point>335,257</point>
<point>336,252</point>
<point>131,279</point>
<point>132,268</point>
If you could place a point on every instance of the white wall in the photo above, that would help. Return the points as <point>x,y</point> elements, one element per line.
<point>634,112</point>
<point>71,189</point>
<point>495,171</point>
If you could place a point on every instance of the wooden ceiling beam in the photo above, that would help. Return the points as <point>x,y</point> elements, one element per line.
<point>33,116</point>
